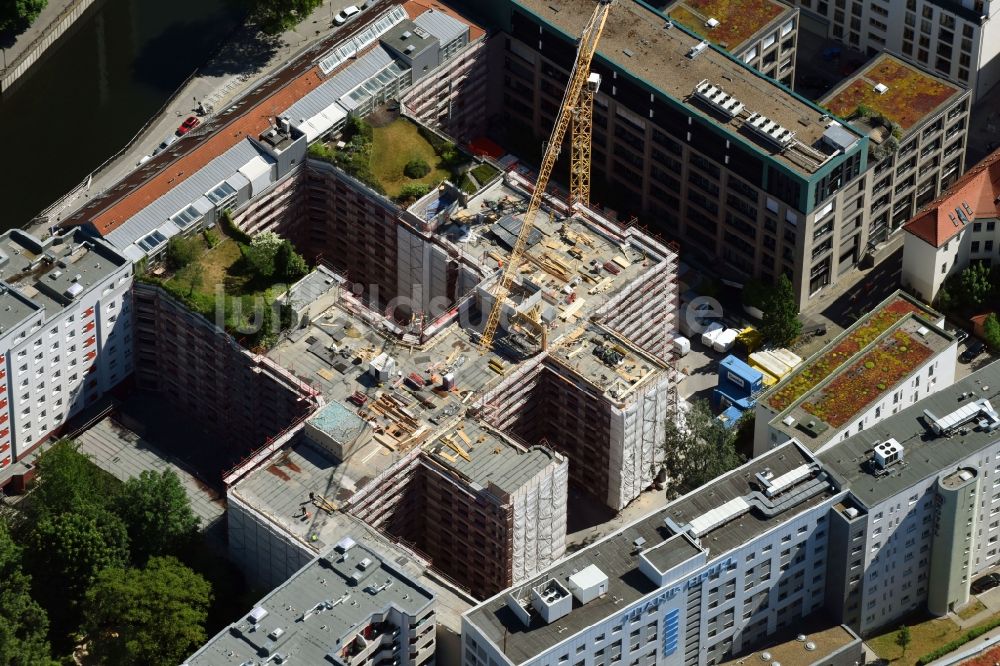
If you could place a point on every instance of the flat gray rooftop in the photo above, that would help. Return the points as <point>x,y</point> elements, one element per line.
<point>318,608</point>
<point>280,487</point>
<point>484,457</point>
<point>636,41</point>
<point>124,454</point>
<point>618,558</point>
<point>50,274</point>
<point>924,454</point>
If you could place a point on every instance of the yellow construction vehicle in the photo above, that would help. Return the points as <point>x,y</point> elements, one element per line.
<point>577,106</point>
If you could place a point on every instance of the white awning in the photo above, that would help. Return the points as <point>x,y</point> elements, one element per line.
<point>322,122</point>
<point>258,172</point>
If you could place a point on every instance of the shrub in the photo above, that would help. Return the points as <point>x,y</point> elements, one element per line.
<point>232,230</point>
<point>412,192</point>
<point>970,635</point>
<point>416,169</point>
<point>211,238</point>
<point>991,331</point>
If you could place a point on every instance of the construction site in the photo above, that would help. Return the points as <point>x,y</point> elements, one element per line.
<point>457,360</point>
<point>464,455</point>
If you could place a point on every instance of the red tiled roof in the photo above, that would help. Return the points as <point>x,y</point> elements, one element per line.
<point>979,188</point>
<point>251,124</point>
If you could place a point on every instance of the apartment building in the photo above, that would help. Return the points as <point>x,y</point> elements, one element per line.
<point>889,359</point>
<point>958,41</point>
<point>961,226</point>
<point>65,334</point>
<point>241,159</point>
<point>242,399</point>
<point>751,177</point>
<point>762,34</point>
<point>715,572</point>
<point>917,126</point>
<point>928,521</point>
<point>893,519</point>
<point>350,606</point>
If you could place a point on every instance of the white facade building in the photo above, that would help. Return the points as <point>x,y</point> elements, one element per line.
<point>903,515</point>
<point>836,394</point>
<point>958,41</point>
<point>65,333</point>
<point>961,226</point>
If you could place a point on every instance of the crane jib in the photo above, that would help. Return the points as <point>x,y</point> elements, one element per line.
<point>577,81</point>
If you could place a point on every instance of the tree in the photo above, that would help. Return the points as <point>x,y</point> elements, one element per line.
<point>781,322</point>
<point>903,638</point>
<point>154,615</point>
<point>991,331</point>
<point>261,253</point>
<point>15,15</point>
<point>195,277</point>
<point>65,552</point>
<point>181,252</point>
<point>157,514</point>
<point>276,16</point>
<point>698,448</point>
<point>69,481</point>
<point>975,284</point>
<point>289,264</point>
<point>25,624</point>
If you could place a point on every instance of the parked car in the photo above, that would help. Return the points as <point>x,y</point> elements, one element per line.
<point>345,15</point>
<point>143,160</point>
<point>961,335</point>
<point>971,352</point>
<point>164,144</point>
<point>987,582</point>
<point>189,124</point>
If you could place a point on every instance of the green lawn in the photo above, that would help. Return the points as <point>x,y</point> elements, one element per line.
<point>925,637</point>
<point>393,146</point>
<point>217,266</point>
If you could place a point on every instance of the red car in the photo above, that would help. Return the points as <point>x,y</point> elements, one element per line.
<point>188,125</point>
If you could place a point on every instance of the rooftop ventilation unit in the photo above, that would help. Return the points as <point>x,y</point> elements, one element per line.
<point>258,614</point>
<point>588,584</point>
<point>769,130</point>
<point>980,411</point>
<point>718,99</point>
<point>888,453</point>
<point>881,88</point>
<point>697,49</point>
<point>718,516</point>
<point>345,544</point>
<point>782,483</point>
<point>551,600</point>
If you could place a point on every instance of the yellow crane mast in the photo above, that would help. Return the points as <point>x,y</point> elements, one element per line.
<point>579,92</point>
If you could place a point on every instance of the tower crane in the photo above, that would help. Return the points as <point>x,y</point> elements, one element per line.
<point>576,106</point>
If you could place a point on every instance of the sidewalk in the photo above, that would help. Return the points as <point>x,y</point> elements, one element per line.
<point>245,59</point>
<point>12,50</point>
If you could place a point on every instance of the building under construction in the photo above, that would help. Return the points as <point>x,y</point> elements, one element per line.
<point>459,454</point>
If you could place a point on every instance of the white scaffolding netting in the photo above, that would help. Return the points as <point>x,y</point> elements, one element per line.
<point>539,509</point>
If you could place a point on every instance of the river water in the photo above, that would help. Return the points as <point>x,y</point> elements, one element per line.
<point>95,89</point>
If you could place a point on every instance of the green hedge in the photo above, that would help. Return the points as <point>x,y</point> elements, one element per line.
<point>970,635</point>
